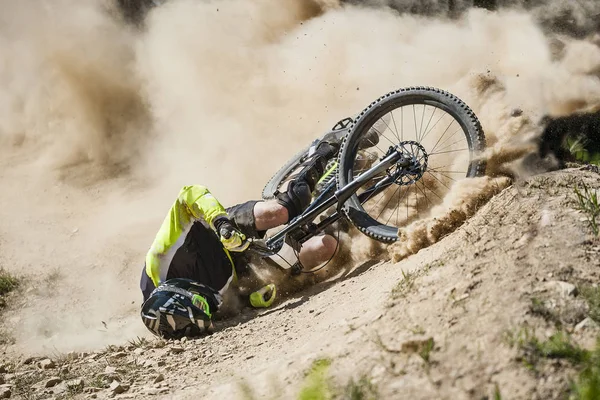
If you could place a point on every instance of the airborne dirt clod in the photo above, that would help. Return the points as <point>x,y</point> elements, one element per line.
<point>101,123</point>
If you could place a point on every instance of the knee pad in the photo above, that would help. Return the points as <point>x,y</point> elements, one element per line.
<point>297,197</point>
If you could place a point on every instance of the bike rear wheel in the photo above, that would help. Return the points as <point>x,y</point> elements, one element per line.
<point>436,130</point>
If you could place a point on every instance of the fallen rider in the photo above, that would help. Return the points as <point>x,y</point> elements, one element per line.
<point>198,251</point>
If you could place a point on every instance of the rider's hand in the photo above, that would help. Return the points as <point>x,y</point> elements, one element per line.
<point>232,238</point>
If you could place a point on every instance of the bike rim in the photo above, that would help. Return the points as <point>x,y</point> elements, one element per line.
<point>438,142</point>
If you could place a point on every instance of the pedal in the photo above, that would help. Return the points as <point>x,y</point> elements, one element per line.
<point>297,269</point>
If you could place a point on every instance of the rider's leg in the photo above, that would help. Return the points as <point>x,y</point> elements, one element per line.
<point>317,250</point>
<point>269,214</point>
<point>299,191</point>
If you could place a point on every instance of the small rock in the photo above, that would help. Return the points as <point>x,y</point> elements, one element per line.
<point>55,380</point>
<point>177,349</point>
<point>75,385</point>
<point>138,351</point>
<point>5,393</point>
<point>461,298</point>
<point>47,364</point>
<point>587,323</point>
<point>118,355</point>
<point>417,345</point>
<point>161,363</point>
<point>150,391</point>
<point>110,370</point>
<point>117,387</point>
<point>159,378</point>
<point>564,288</point>
<point>516,112</point>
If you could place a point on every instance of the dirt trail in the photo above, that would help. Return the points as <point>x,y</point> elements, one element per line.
<point>466,294</point>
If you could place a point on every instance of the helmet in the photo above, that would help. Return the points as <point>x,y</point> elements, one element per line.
<point>180,307</point>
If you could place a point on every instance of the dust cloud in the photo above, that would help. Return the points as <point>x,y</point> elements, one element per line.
<point>102,123</point>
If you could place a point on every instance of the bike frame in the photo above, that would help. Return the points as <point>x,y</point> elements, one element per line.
<point>301,228</point>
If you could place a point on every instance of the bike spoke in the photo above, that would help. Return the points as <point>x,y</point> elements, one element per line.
<point>373,197</point>
<point>454,180</point>
<point>397,209</point>
<point>432,191</point>
<point>402,123</point>
<point>407,195</point>
<point>450,137</point>
<point>445,152</point>
<point>386,124</point>
<point>377,130</point>
<point>416,199</point>
<point>436,178</point>
<point>428,122</point>
<point>449,172</point>
<point>394,121</point>
<point>388,202</point>
<point>434,125</point>
<point>446,130</point>
<point>421,127</point>
<point>378,201</point>
<point>415,119</point>
<point>424,194</point>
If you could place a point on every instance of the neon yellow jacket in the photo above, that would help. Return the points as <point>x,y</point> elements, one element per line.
<point>194,203</point>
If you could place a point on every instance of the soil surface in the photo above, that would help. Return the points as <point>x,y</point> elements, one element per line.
<point>435,325</point>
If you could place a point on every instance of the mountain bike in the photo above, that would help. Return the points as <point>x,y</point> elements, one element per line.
<point>398,159</point>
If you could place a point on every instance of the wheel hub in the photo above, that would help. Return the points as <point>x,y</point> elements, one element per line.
<point>416,154</point>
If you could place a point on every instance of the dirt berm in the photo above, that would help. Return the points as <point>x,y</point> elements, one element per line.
<point>458,320</point>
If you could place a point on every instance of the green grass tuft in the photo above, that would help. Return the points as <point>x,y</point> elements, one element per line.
<point>8,282</point>
<point>316,383</point>
<point>587,202</point>
<point>539,308</point>
<point>405,285</point>
<point>586,386</point>
<point>592,296</point>
<point>426,349</point>
<point>362,389</point>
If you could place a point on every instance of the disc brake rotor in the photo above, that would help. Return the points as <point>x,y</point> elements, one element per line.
<point>416,154</point>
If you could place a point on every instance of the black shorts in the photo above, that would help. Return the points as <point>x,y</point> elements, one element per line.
<point>202,257</point>
<point>242,215</point>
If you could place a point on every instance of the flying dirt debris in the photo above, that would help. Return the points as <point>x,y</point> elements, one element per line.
<point>108,108</point>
